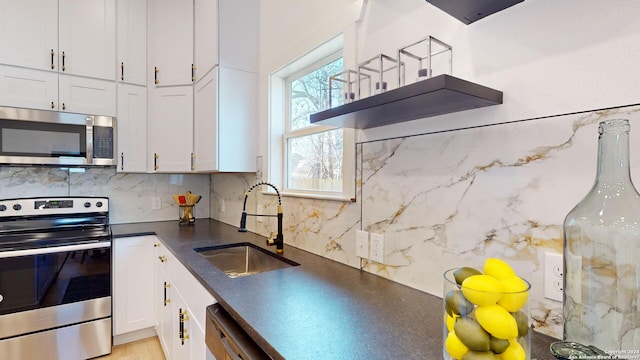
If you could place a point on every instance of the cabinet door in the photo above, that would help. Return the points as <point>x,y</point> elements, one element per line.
<point>171,129</point>
<point>205,115</point>
<point>238,28</point>
<point>29,33</point>
<point>165,314</point>
<point>87,96</point>
<point>132,41</point>
<point>237,125</point>
<point>171,42</point>
<point>182,327</point>
<point>28,88</point>
<point>198,343</point>
<point>133,292</point>
<point>88,38</point>
<point>205,36</point>
<point>132,128</point>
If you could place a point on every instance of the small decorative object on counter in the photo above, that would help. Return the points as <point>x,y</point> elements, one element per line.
<point>424,53</point>
<point>376,67</point>
<point>566,350</point>
<point>486,313</point>
<point>348,84</point>
<point>602,253</point>
<point>186,205</point>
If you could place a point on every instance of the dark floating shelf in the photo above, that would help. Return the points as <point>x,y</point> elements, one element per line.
<point>469,11</point>
<point>439,95</point>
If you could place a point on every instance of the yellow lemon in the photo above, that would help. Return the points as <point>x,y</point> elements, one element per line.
<point>449,321</point>
<point>515,351</point>
<point>497,321</point>
<point>454,346</point>
<point>516,293</point>
<point>482,289</point>
<point>497,268</point>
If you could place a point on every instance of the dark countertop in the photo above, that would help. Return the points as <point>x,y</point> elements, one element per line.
<point>319,310</point>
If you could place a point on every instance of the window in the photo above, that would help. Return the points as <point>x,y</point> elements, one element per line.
<point>316,161</point>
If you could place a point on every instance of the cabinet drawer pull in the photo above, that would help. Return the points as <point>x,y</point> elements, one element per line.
<point>121,161</point>
<point>193,73</point>
<point>53,106</point>
<point>52,55</point>
<point>193,162</point>
<point>64,107</point>
<point>64,68</point>
<point>162,258</point>
<point>156,245</point>
<point>155,161</point>
<point>166,286</point>
<point>122,71</point>
<point>155,75</point>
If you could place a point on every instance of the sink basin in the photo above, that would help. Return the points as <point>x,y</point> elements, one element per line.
<point>243,259</point>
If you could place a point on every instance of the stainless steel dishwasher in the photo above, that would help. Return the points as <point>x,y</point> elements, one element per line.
<point>226,340</point>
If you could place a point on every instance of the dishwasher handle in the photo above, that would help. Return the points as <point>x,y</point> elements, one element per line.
<point>227,340</point>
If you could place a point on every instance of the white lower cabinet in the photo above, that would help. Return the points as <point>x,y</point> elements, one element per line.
<point>180,305</point>
<point>152,288</point>
<point>132,291</point>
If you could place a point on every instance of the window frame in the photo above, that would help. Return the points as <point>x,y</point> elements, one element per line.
<point>280,101</point>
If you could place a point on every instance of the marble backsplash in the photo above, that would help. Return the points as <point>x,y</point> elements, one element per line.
<point>130,195</point>
<point>450,199</point>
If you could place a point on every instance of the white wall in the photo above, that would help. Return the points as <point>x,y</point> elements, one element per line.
<point>549,57</point>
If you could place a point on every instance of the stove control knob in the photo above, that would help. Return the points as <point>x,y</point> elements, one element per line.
<point>3,207</point>
<point>17,207</point>
<point>87,204</point>
<point>99,204</point>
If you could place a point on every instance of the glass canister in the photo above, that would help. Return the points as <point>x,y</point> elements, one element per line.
<point>491,324</point>
<point>602,252</point>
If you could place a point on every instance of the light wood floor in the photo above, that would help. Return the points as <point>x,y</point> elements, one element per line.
<point>145,349</point>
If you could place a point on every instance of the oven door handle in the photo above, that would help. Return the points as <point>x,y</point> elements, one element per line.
<point>54,249</point>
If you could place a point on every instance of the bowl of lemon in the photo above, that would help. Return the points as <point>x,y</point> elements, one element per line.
<point>486,313</point>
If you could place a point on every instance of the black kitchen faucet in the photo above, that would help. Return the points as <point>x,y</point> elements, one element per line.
<point>278,241</point>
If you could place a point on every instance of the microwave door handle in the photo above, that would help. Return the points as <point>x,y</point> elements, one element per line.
<point>89,154</point>
<point>54,249</point>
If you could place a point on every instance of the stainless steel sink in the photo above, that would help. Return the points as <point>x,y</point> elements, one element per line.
<point>243,259</point>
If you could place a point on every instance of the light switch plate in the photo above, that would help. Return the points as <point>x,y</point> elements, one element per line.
<point>376,250</point>
<point>362,244</point>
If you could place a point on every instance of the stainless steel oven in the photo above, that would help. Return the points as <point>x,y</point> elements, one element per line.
<point>55,278</point>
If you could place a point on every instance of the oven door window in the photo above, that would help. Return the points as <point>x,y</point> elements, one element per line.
<point>38,281</point>
<point>41,139</point>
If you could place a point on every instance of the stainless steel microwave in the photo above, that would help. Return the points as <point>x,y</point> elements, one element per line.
<point>38,137</point>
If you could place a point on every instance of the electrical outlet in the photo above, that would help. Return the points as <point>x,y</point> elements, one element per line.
<point>362,244</point>
<point>376,248</point>
<point>156,203</point>
<point>553,276</point>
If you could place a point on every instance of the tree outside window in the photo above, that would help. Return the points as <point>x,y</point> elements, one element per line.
<point>314,153</point>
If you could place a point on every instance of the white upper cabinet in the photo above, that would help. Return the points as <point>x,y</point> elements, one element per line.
<point>171,129</point>
<point>205,36</point>
<point>29,33</point>
<point>225,120</point>
<point>132,42</point>
<point>87,44</point>
<point>238,27</point>
<point>27,88</point>
<point>132,128</point>
<point>226,34</point>
<point>171,42</point>
<point>87,96</point>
